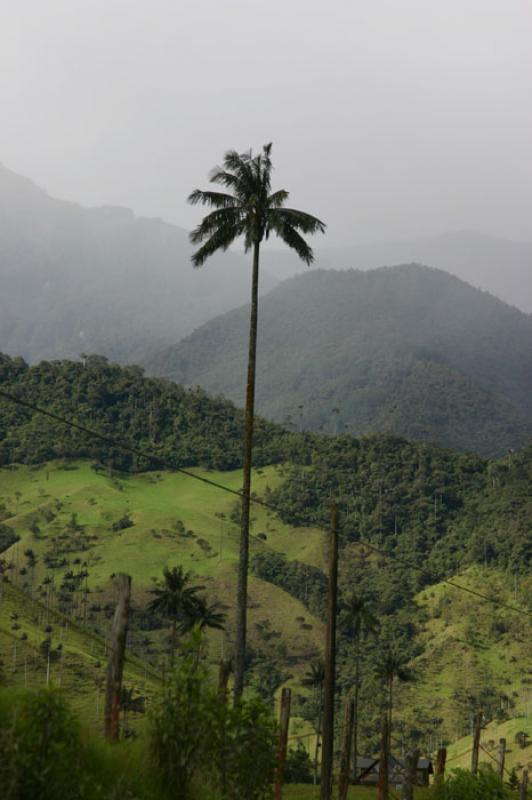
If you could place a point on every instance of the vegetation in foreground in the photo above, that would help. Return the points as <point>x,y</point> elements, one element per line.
<point>195,745</point>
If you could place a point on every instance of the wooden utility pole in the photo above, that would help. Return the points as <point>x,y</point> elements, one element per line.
<point>502,758</point>
<point>384,760</point>
<point>225,668</point>
<point>441,758</point>
<point>117,651</point>
<point>286,697</point>
<point>410,774</point>
<point>330,664</point>
<point>524,786</point>
<point>477,728</point>
<point>343,781</point>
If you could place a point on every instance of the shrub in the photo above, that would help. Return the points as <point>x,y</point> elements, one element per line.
<point>299,767</point>
<point>41,750</point>
<point>244,750</point>
<point>193,732</point>
<point>462,785</point>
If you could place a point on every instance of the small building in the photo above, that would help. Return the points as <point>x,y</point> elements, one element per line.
<point>368,771</point>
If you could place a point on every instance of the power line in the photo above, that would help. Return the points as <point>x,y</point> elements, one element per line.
<point>152,457</point>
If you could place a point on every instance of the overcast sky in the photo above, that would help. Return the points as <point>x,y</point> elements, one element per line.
<point>389,118</point>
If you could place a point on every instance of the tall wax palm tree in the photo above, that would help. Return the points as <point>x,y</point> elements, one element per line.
<point>314,679</point>
<point>249,209</point>
<point>175,599</point>
<point>357,621</point>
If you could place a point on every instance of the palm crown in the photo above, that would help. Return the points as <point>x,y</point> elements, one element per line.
<point>176,596</point>
<point>252,210</point>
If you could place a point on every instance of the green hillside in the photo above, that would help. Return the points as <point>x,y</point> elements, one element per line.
<point>411,515</point>
<point>30,631</point>
<point>65,512</point>
<point>405,349</point>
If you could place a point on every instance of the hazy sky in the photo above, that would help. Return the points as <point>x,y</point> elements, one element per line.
<point>390,118</point>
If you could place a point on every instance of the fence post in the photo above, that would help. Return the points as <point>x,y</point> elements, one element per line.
<point>286,697</point>
<point>441,758</point>
<point>343,781</point>
<point>382,786</point>
<point>225,668</point>
<point>524,786</point>
<point>410,774</point>
<point>117,651</point>
<point>477,728</point>
<point>502,758</point>
<point>330,664</point>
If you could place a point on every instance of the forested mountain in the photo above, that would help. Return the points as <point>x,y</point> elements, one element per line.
<point>407,349</point>
<point>410,515</point>
<point>433,504</point>
<point>101,280</point>
<point>184,428</point>
<point>500,266</point>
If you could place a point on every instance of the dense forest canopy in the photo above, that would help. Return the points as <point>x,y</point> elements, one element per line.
<point>183,427</point>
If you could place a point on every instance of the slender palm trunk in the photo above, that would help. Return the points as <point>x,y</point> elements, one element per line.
<point>242,590</point>
<point>173,643</point>
<point>355,722</point>
<point>390,706</point>
<point>318,735</point>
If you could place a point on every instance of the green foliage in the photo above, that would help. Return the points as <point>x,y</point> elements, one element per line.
<point>462,785</point>
<point>8,537</point>
<point>180,727</point>
<point>44,754</point>
<point>299,767</point>
<point>193,732</point>
<point>244,752</point>
<point>303,581</point>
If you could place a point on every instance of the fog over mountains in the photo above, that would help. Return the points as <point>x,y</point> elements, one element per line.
<point>407,349</point>
<point>497,265</point>
<point>101,280</point>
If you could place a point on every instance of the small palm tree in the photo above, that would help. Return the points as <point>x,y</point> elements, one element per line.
<point>357,622</point>
<point>202,615</point>
<point>392,666</point>
<point>248,209</point>
<point>314,679</point>
<point>174,599</point>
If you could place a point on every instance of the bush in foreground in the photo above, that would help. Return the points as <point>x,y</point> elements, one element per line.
<point>462,785</point>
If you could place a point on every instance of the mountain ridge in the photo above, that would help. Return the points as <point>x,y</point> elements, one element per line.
<point>101,280</point>
<point>350,339</point>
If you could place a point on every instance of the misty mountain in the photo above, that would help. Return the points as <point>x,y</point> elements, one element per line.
<point>407,349</point>
<point>101,280</point>
<point>496,265</point>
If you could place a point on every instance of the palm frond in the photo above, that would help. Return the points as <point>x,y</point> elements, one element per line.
<point>240,164</point>
<point>221,218</point>
<point>302,221</point>
<point>221,239</point>
<point>290,236</point>
<point>278,199</point>
<point>214,199</point>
